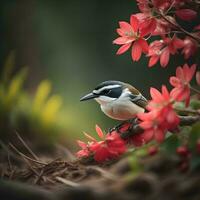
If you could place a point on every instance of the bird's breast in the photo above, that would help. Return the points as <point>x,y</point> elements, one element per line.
<point>121,110</point>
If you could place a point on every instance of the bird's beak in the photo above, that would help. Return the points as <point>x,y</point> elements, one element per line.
<point>89,96</point>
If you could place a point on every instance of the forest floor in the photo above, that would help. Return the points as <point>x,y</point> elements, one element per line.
<point>27,177</point>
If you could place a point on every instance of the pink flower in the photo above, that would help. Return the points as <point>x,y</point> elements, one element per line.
<point>181,83</point>
<point>111,146</point>
<point>161,117</point>
<point>131,35</point>
<point>186,14</point>
<point>161,50</point>
<point>84,152</point>
<point>189,48</point>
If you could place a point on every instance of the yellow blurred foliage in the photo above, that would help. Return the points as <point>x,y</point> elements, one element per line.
<point>50,109</point>
<point>41,95</point>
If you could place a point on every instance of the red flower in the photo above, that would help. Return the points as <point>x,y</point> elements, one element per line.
<point>186,14</point>
<point>149,22</point>
<point>182,151</point>
<point>161,117</point>
<point>131,35</point>
<point>111,146</point>
<point>85,151</point>
<point>181,83</point>
<point>190,47</point>
<point>161,49</point>
<point>152,150</point>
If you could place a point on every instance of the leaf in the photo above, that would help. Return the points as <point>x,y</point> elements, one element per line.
<point>134,164</point>
<point>170,144</point>
<point>51,108</point>
<point>195,104</point>
<point>194,136</point>
<point>8,67</point>
<point>41,95</point>
<point>15,86</point>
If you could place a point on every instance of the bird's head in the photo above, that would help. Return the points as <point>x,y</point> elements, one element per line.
<point>109,91</point>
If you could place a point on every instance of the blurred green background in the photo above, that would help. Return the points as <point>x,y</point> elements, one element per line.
<point>70,44</point>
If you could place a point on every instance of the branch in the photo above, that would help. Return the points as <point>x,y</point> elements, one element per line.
<point>184,121</point>
<point>179,28</point>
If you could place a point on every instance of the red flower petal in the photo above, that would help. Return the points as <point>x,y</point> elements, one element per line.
<point>148,135</point>
<point>123,49</point>
<point>189,72</point>
<point>101,154</point>
<point>153,60</point>
<point>120,32</point>
<point>174,81</point>
<point>81,144</point>
<point>165,92</point>
<point>122,40</point>
<point>136,51</point>
<point>125,26</point>
<point>155,94</point>
<point>99,132</point>
<point>164,57</point>
<point>144,45</point>
<point>134,23</point>
<point>147,26</point>
<point>179,73</point>
<point>159,135</point>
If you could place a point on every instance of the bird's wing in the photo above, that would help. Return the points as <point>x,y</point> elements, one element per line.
<point>136,97</point>
<point>139,100</point>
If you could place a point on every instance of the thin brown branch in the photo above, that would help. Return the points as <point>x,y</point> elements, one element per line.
<point>188,120</point>
<point>177,26</point>
<point>25,156</point>
<point>26,146</point>
<point>67,182</point>
<point>195,90</point>
<point>186,111</point>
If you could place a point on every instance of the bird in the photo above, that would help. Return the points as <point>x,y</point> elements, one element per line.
<point>118,100</point>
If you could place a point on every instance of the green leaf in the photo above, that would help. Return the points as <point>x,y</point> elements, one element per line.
<point>170,144</point>
<point>15,86</point>
<point>8,67</point>
<point>195,104</point>
<point>194,135</point>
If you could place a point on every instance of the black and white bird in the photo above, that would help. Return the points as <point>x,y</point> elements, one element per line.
<point>118,100</point>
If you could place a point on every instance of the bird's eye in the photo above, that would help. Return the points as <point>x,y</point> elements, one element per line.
<point>107,91</point>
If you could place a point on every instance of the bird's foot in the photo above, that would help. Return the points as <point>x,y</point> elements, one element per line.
<point>124,126</point>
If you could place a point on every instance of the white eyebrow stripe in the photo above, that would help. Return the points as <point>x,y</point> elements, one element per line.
<point>105,87</point>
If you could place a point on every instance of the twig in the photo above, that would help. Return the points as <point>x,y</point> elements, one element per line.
<point>187,111</point>
<point>103,172</point>
<point>25,156</point>
<point>67,182</point>
<point>188,120</point>
<point>179,27</point>
<point>26,146</point>
<point>195,90</point>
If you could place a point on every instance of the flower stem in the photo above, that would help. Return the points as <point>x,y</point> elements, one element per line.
<point>195,90</point>
<point>187,111</point>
